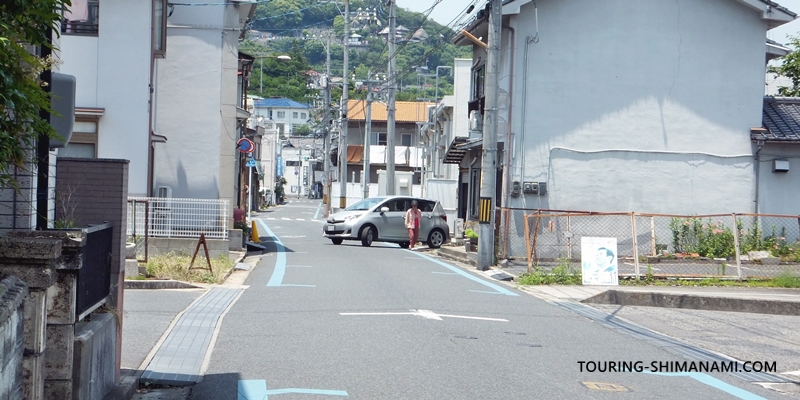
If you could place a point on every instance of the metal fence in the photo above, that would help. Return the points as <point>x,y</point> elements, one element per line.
<point>174,218</point>
<point>94,277</point>
<point>719,245</point>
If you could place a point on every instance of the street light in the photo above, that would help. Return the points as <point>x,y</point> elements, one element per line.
<point>437,79</point>
<point>281,57</point>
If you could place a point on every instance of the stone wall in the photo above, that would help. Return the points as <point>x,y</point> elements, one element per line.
<point>13,293</point>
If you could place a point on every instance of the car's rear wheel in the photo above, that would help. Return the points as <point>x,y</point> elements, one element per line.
<point>368,234</point>
<point>337,241</point>
<point>435,238</point>
<point>404,244</point>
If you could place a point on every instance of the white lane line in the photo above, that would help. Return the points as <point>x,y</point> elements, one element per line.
<point>428,314</point>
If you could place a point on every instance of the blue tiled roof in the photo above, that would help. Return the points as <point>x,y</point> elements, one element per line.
<point>279,103</point>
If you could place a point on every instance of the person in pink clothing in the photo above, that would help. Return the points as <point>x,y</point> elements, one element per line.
<point>413,219</point>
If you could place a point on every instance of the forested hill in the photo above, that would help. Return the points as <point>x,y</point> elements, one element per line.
<point>299,28</point>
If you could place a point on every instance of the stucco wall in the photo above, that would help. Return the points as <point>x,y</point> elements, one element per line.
<point>642,106</point>
<point>778,191</point>
<point>188,91</point>
<point>113,72</point>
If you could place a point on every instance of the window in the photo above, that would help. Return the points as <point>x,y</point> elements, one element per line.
<point>378,138</point>
<point>292,163</point>
<point>83,143</point>
<point>478,78</point>
<point>405,140</point>
<point>160,16</point>
<point>81,18</point>
<point>303,115</point>
<point>280,114</point>
<point>294,115</point>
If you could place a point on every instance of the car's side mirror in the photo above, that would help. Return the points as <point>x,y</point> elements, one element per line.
<point>384,209</point>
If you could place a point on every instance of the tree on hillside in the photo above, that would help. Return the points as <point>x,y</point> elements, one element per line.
<point>22,94</point>
<point>790,68</point>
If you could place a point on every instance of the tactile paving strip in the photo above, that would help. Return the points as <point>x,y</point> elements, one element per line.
<point>178,360</point>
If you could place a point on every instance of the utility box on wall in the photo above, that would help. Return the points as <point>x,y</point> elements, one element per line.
<point>780,165</point>
<point>539,188</point>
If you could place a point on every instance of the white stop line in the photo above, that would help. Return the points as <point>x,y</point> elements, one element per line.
<point>428,314</point>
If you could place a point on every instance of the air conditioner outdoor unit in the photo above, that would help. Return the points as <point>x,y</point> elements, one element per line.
<point>164,192</point>
<point>475,121</point>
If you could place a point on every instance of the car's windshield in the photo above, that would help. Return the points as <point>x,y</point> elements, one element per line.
<point>365,204</point>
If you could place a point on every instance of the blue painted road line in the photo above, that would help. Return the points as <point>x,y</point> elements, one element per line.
<point>319,207</point>
<point>467,275</point>
<point>713,382</point>
<point>257,390</point>
<point>280,262</point>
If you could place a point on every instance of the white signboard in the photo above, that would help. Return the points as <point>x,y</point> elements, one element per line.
<point>599,261</point>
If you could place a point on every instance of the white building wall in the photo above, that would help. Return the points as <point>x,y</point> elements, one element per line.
<point>462,83</point>
<point>189,112</point>
<point>638,107</point>
<point>113,72</point>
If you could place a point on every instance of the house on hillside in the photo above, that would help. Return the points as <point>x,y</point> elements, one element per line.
<point>608,107</point>
<point>200,101</point>
<point>409,118</point>
<point>287,113</point>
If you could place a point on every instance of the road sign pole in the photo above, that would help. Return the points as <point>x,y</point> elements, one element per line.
<point>250,190</point>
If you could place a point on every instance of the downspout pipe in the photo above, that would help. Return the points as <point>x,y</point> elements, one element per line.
<point>760,145</point>
<point>43,148</point>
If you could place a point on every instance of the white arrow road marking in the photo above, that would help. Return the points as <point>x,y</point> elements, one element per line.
<point>428,314</point>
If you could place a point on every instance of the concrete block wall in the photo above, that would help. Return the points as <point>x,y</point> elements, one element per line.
<point>13,293</point>
<point>93,370</point>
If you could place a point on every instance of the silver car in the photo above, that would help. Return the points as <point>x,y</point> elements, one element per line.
<point>382,219</point>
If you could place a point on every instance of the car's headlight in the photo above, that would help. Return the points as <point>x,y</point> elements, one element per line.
<point>351,217</point>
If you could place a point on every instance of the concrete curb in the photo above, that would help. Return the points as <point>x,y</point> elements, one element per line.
<point>458,256</point>
<point>710,303</point>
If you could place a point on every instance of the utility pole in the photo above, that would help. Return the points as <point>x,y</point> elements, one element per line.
<point>367,136</point>
<point>390,107</point>
<point>343,133</point>
<point>489,162</point>
<point>327,138</point>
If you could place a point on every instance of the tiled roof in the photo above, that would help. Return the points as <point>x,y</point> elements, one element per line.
<point>405,111</point>
<point>780,120</point>
<point>279,103</point>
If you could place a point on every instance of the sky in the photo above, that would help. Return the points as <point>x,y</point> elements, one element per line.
<point>447,10</point>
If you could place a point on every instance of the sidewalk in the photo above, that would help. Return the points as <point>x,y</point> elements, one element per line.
<point>775,301</point>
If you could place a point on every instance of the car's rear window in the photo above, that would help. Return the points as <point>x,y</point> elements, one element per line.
<point>426,206</point>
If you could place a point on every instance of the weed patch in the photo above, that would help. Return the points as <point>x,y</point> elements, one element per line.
<point>172,266</point>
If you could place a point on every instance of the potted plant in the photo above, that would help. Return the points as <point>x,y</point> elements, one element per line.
<point>471,244</point>
<point>245,230</point>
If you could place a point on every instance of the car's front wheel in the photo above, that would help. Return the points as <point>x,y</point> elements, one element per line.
<point>435,238</point>
<point>337,241</point>
<point>368,234</point>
